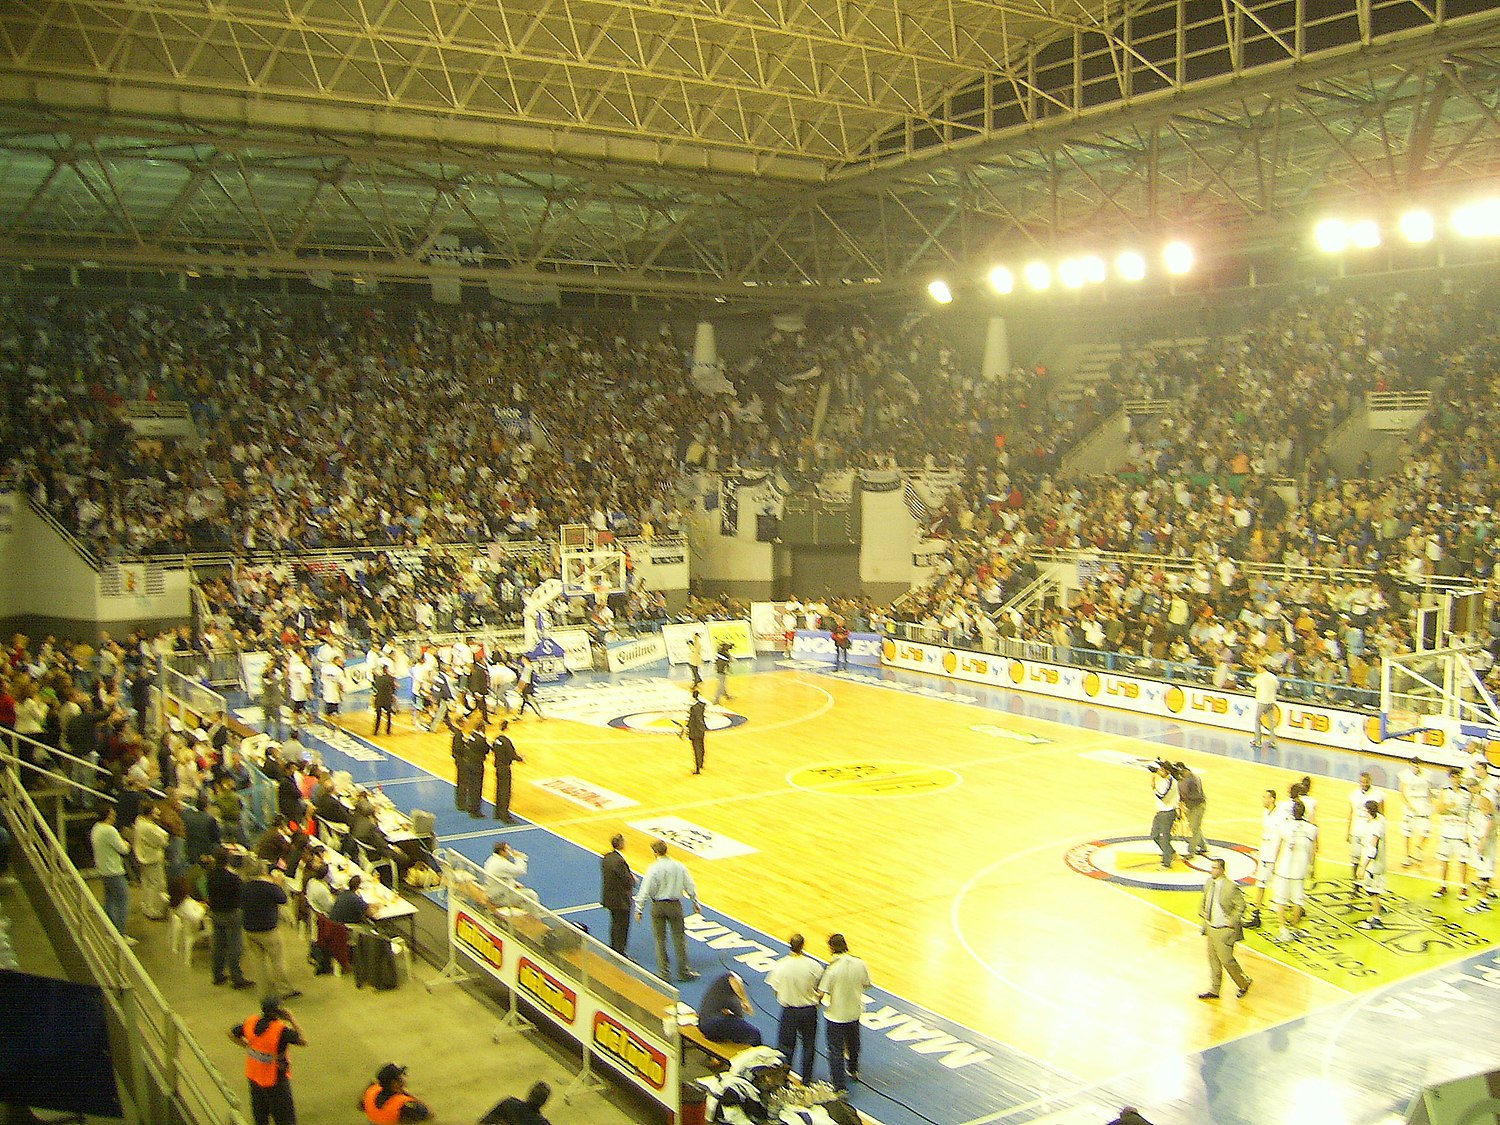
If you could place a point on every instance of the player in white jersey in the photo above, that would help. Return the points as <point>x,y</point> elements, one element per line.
<point>1296,852</point>
<point>1481,845</point>
<point>1416,824</point>
<point>1272,818</point>
<point>1452,805</point>
<point>1371,870</point>
<point>1359,797</point>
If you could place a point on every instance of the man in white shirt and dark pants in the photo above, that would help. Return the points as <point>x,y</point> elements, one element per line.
<point>1222,908</point>
<point>795,979</point>
<point>666,886</point>
<point>842,986</point>
<point>110,850</point>
<point>1164,789</point>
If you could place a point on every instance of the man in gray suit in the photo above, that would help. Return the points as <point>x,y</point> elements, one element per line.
<point>1222,907</point>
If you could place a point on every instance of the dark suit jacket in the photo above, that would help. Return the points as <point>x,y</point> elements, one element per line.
<point>618,881</point>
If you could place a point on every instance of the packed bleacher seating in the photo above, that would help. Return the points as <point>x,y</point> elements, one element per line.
<point>329,426</point>
<point>326,425</point>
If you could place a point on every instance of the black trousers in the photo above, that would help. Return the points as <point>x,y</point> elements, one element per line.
<point>502,795</point>
<point>273,1104</point>
<point>699,752</point>
<point>387,712</point>
<point>619,928</point>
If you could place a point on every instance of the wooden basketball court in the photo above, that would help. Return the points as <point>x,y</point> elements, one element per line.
<point>991,867</point>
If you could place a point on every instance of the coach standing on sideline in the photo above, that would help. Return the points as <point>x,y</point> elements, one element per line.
<point>616,885</point>
<point>843,983</point>
<point>794,979</point>
<point>666,885</point>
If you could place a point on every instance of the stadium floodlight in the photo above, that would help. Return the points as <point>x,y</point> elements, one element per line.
<point>1070,273</point>
<point>1177,256</point>
<point>1038,275</point>
<point>1364,233</point>
<point>1331,235</point>
<point>940,292</point>
<point>1417,227</point>
<point>1131,266</point>
<point>1480,219</point>
<point>1094,270</point>
<point>1002,281</point>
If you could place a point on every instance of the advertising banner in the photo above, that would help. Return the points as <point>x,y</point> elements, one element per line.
<point>636,652</point>
<point>640,1052</point>
<point>1332,727</point>
<point>713,633</point>
<point>771,622</point>
<point>817,644</point>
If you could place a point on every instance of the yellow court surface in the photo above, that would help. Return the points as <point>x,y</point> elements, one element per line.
<point>991,867</point>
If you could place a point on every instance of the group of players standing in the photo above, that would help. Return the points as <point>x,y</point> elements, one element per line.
<point>489,682</point>
<point>1461,812</point>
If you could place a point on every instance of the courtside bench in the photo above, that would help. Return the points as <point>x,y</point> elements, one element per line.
<point>718,1053</point>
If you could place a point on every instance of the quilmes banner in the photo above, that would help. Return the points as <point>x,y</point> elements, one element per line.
<point>713,633</point>
<point>817,644</point>
<point>528,959</point>
<point>1333,727</point>
<point>636,652</point>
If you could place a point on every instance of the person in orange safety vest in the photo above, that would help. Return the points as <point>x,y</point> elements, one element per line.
<point>265,1039</point>
<point>386,1102</point>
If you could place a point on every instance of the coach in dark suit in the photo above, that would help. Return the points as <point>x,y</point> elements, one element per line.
<point>617,889</point>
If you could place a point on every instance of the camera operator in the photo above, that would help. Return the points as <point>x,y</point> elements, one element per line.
<point>1164,789</point>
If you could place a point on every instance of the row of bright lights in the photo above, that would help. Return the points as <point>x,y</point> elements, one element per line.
<point>1075,273</point>
<point>1479,219</point>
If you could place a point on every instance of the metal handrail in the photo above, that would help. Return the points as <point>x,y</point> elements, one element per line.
<point>1182,564</point>
<point>68,537</point>
<point>163,1061</point>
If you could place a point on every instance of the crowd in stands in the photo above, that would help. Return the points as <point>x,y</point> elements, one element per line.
<point>327,426</point>
<point>1203,494</point>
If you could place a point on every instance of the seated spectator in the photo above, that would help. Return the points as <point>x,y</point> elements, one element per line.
<point>724,1012</point>
<point>349,908</point>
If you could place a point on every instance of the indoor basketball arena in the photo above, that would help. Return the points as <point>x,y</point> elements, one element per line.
<point>586,561</point>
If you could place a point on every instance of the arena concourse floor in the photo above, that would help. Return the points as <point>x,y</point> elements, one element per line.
<point>986,852</point>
